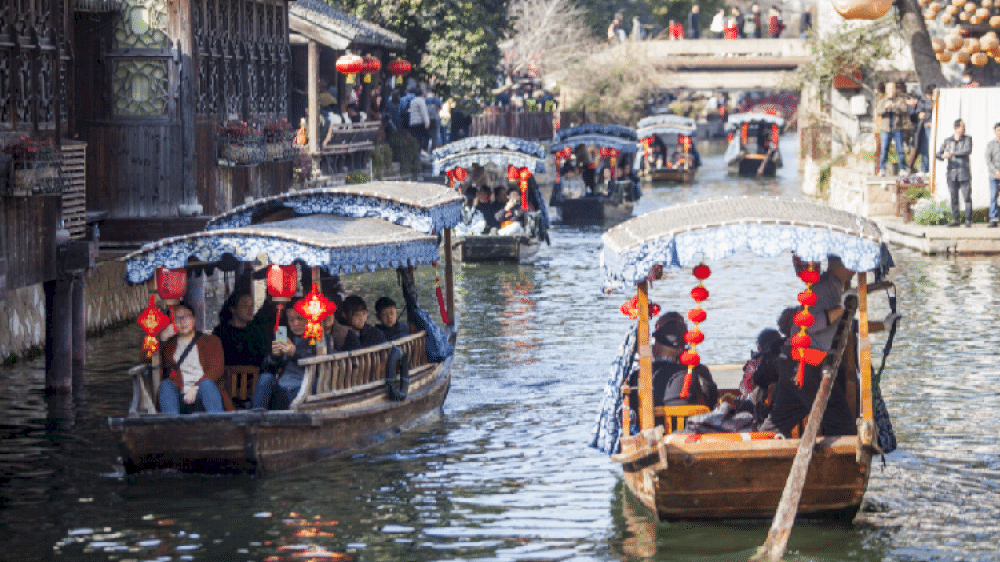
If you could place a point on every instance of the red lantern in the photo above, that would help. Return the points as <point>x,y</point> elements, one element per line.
<point>153,322</point>
<point>523,175</point>
<point>803,319</point>
<point>604,152</point>
<point>315,307</point>
<point>512,172</point>
<point>171,284</point>
<point>461,174</point>
<point>350,64</point>
<point>695,336</point>
<point>369,66</point>
<point>399,68</point>
<point>630,308</point>
<point>282,282</point>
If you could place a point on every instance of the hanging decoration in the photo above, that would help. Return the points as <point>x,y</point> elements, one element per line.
<point>370,65</point>
<point>350,64</point>
<point>630,308</point>
<point>801,341</point>
<point>695,336</point>
<point>565,154</point>
<point>862,9</point>
<point>398,68</point>
<point>458,174</point>
<point>315,307</point>
<point>440,296</point>
<point>171,285</point>
<point>282,282</point>
<point>524,174</point>
<point>611,154</point>
<point>153,322</point>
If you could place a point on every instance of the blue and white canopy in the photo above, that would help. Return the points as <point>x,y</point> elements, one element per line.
<point>424,207</point>
<point>665,125</point>
<point>684,235</point>
<point>734,121</point>
<point>619,137</point>
<point>337,244</point>
<point>489,149</point>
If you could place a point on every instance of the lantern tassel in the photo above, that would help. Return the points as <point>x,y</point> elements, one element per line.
<point>686,389</point>
<point>277,316</point>
<point>440,298</point>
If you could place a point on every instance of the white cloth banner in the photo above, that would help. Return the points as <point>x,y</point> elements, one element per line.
<point>979,108</point>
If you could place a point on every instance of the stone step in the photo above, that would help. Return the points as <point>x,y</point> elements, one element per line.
<point>880,209</point>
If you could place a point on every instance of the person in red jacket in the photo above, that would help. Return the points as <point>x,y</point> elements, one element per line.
<point>775,25</point>
<point>193,362</point>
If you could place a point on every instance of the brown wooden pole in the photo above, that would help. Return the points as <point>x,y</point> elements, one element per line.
<point>865,348</point>
<point>646,419</point>
<point>449,276</point>
<point>312,96</point>
<point>931,149</point>
<point>79,321</point>
<point>59,335</point>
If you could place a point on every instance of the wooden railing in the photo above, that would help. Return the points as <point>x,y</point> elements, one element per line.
<point>352,137</point>
<point>350,372</point>
<point>511,122</point>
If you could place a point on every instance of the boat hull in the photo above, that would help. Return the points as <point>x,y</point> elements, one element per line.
<point>748,165</point>
<point>666,175</point>
<point>745,480</point>
<point>495,248</point>
<point>592,208</point>
<point>268,442</point>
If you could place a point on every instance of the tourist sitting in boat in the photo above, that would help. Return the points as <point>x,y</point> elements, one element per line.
<point>588,166</point>
<point>791,403</point>
<point>273,392</point>
<point>473,222</point>
<point>193,363</point>
<point>243,342</point>
<point>669,373</point>
<point>388,319</point>
<point>511,218</point>
<point>361,334</point>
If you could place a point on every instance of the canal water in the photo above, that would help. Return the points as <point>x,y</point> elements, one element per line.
<point>506,474</point>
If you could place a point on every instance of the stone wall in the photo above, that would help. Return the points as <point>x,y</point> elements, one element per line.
<point>109,301</point>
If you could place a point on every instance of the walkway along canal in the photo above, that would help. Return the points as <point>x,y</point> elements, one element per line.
<point>506,474</point>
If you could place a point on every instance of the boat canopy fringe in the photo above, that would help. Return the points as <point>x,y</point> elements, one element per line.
<point>683,235</point>
<point>508,144</point>
<point>608,427</point>
<point>438,348</point>
<point>735,120</point>
<point>486,156</point>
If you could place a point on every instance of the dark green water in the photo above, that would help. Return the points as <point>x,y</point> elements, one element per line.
<point>506,473</point>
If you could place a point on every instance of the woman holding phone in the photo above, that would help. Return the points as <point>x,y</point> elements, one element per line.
<point>277,393</point>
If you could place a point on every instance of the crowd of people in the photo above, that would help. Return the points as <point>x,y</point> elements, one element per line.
<point>195,362</point>
<point>751,24</point>
<point>496,210</point>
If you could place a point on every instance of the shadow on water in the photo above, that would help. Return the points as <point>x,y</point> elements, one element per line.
<point>506,474</point>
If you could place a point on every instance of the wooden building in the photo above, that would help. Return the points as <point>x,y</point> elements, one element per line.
<point>319,35</point>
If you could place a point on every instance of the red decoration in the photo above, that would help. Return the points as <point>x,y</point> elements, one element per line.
<point>512,172</point>
<point>702,272</point>
<point>801,341</point>
<point>461,174</point>
<point>774,135</point>
<point>695,336</point>
<point>524,174</point>
<point>369,66</point>
<point>171,284</point>
<point>803,319</point>
<point>809,276</point>
<point>743,134</point>
<point>350,64</point>
<point>153,322</point>
<point>631,308</point>
<point>398,68</point>
<point>696,315</point>
<point>315,307</point>
<point>440,298</point>
<point>282,282</point>
<point>807,298</point>
<point>699,294</point>
<point>691,359</point>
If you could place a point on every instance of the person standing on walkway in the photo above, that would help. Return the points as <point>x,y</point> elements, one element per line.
<point>694,23</point>
<point>420,120</point>
<point>993,165</point>
<point>893,111</point>
<point>775,25</point>
<point>755,15</point>
<point>737,16</point>
<point>806,23</point>
<point>956,150</point>
<point>718,23</point>
<point>920,114</point>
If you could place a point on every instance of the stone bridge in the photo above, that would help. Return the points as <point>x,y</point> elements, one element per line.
<point>724,64</point>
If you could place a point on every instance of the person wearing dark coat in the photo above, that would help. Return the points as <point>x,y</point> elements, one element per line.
<point>669,373</point>
<point>956,150</point>
<point>694,23</point>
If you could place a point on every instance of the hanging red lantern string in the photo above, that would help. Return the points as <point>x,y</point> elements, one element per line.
<point>804,319</point>
<point>451,178</point>
<point>523,175</point>
<point>153,322</point>
<point>774,135</point>
<point>630,308</point>
<point>282,282</point>
<point>646,143</point>
<point>743,134</point>
<point>694,337</point>
<point>440,296</point>
<point>171,285</point>
<point>315,307</point>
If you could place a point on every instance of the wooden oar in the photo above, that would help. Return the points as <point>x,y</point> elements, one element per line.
<point>763,163</point>
<point>774,547</point>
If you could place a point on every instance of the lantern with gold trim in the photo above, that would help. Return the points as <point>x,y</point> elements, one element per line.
<point>565,154</point>
<point>370,65</point>
<point>349,64</point>
<point>171,285</point>
<point>153,321</point>
<point>315,307</point>
<point>398,68</point>
<point>630,308</point>
<point>282,282</point>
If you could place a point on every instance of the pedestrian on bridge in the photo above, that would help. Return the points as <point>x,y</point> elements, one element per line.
<point>718,23</point>
<point>755,16</point>
<point>694,23</point>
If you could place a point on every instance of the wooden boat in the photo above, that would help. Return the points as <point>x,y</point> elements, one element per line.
<point>680,160</point>
<point>614,199</point>
<point>737,475</point>
<point>345,402</point>
<point>520,160</point>
<point>753,144</point>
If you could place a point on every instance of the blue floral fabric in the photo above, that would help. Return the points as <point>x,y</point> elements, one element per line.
<point>355,205</point>
<point>500,158</point>
<point>608,426</point>
<point>621,132</point>
<point>623,272</point>
<point>489,141</point>
<point>212,246</point>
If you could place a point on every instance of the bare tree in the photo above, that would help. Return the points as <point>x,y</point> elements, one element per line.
<point>546,36</point>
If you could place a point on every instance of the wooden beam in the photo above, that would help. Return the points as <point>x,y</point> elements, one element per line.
<point>312,80</point>
<point>646,420</point>
<point>865,349</point>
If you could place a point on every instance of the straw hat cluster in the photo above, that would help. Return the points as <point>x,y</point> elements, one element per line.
<point>957,46</point>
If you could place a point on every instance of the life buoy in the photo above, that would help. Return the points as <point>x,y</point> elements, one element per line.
<point>397,374</point>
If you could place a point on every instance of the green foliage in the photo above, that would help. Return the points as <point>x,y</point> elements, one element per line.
<point>850,49</point>
<point>356,177</point>
<point>381,160</point>
<point>916,192</point>
<point>452,44</point>
<point>825,172</point>
<point>928,212</point>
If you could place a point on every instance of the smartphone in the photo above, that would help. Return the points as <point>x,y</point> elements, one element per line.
<point>282,334</point>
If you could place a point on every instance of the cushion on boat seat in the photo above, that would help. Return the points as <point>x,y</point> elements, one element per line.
<point>240,380</point>
<point>675,416</point>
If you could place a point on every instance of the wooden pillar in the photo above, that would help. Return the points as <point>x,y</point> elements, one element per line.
<point>931,151</point>
<point>646,419</point>
<point>59,335</point>
<point>79,322</point>
<point>449,276</point>
<point>312,81</point>
<point>865,348</point>
<point>195,298</point>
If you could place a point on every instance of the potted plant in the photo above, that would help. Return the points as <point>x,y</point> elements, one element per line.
<point>908,194</point>
<point>32,167</point>
<point>240,144</point>
<point>279,140</point>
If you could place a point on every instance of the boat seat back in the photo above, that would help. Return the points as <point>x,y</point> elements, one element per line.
<point>674,417</point>
<point>240,380</point>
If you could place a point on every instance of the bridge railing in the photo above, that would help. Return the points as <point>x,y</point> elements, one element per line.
<point>511,122</point>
